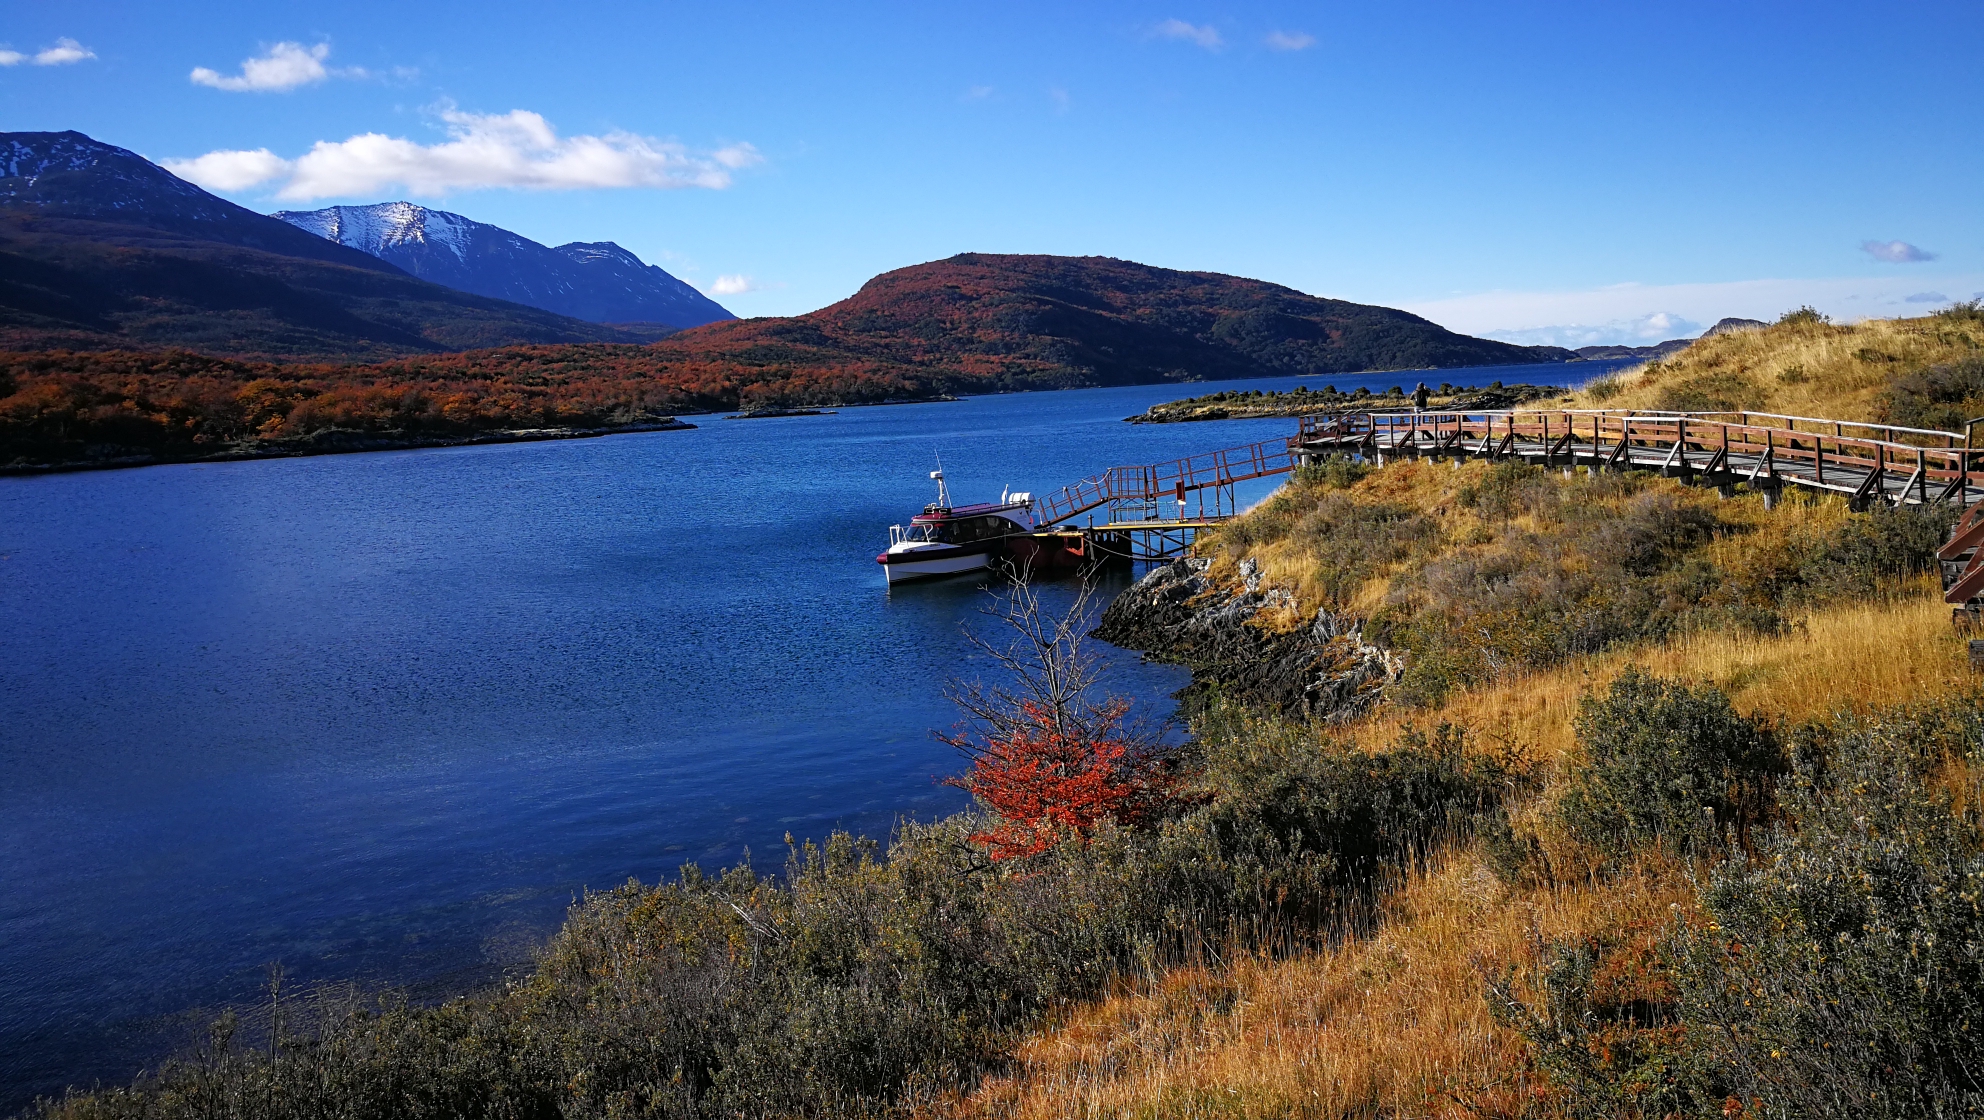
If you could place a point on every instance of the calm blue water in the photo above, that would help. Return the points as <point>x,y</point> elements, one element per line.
<point>380,717</point>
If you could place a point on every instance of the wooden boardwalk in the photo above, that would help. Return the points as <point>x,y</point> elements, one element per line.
<point>1864,462</point>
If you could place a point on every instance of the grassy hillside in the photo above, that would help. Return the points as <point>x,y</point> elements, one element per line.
<point>1673,811</point>
<point>1921,373</point>
<point>1403,1020</point>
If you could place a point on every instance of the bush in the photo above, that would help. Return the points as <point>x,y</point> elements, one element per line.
<point>1608,1032</point>
<point>1838,971</point>
<point>1336,472</point>
<point>1963,311</point>
<point>1604,388</point>
<point>1872,554</point>
<point>1602,559</point>
<point>1841,970</point>
<point>1664,763</point>
<point>1804,316</point>
<point>1298,828</point>
<point>1943,397</point>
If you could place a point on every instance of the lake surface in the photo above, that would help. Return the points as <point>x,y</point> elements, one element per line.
<point>382,717</point>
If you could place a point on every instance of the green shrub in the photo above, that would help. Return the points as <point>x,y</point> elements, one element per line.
<point>1604,388</point>
<point>1944,396</point>
<point>1335,472</point>
<point>1874,552</point>
<point>1963,311</point>
<point>1509,488</point>
<point>1613,1049</point>
<point>1661,762</point>
<point>1841,970</point>
<point>1804,316</point>
<point>1612,558</point>
<point>1298,827</point>
<point>1714,391</point>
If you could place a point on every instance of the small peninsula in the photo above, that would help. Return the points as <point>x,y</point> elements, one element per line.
<point>1257,404</point>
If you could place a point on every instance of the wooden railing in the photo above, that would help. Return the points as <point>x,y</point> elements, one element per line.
<point>1886,433</point>
<point>1852,458</point>
<point>1174,479</point>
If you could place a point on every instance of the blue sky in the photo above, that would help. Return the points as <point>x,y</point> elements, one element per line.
<point>1569,173</point>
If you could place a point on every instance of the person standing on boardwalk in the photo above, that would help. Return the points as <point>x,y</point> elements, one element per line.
<point>1420,396</point>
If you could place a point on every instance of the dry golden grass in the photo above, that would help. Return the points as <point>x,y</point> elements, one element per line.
<point>1796,369</point>
<point>1846,658</point>
<point>1434,488</point>
<point>1394,1024</point>
<point>1397,1023</point>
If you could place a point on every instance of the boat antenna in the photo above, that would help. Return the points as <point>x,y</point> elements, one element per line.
<point>943,494</point>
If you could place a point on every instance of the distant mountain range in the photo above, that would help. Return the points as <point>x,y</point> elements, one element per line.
<point>237,332</point>
<point>597,281</point>
<point>100,248</point>
<point>1662,349</point>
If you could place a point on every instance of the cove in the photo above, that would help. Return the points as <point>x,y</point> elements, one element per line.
<point>381,717</point>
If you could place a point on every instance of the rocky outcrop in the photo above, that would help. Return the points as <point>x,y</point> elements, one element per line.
<point>1322,670</point>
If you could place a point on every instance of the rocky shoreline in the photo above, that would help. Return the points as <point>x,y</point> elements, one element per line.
<point>334,441</point>
<point>1177,614</point>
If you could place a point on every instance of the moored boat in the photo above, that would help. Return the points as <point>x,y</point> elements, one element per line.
<point>946,540</point>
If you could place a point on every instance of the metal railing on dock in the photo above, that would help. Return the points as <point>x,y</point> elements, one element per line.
<point>1152,483</point>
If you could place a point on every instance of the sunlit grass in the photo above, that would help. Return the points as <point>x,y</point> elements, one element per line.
<point>1829,371</point>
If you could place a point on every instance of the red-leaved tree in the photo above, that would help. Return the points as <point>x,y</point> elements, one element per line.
<point>1050,758</point>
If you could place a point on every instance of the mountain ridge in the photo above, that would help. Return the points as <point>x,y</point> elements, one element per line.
<point>599,282</point>
<point>978,321</point>
<point>102,249</point>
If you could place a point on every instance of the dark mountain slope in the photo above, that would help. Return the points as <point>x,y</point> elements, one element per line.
<point>596,281</point>
<point>981,320</point>
<point>101,248</point>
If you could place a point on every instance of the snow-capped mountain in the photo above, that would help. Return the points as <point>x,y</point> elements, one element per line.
<point>101,248</point>
<point>597,281</point>
<point>69,176</point>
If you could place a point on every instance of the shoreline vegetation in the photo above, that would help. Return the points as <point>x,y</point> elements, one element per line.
<point>1561,794</point>
<point>342,441</point>
<point>1270,404</point>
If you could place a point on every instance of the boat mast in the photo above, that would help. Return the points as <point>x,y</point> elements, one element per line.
<point>943,494</point>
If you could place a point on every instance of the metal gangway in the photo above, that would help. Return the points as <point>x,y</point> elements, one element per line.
<point>1156,510</point>
<point>1144,488</point>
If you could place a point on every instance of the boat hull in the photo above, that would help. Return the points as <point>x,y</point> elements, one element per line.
<point>900,566</point>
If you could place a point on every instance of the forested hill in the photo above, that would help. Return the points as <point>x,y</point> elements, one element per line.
<point>981,321</point>
<point>971,324</point>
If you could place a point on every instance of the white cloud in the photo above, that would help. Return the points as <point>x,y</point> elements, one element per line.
<point>64,52</point>
<point>1896,252</point>
<point>734,285</point>
<point>1619,312</point>
<point>229,171</point>
<point>977,93</point>
<point>1927,297</point>
<point>1643,330</point>
<point>517,149</point>
<point>285,67</point>
<point>1289,40</point>
<point>1207,36</point>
